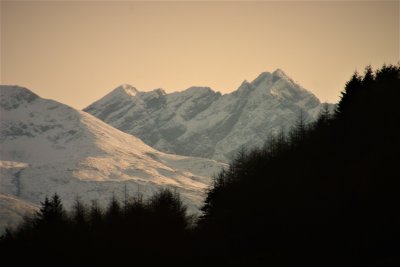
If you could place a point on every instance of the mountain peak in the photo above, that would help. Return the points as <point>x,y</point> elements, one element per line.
<point>197,88</point>
<point>198,91</point>
<point>279,72</point>
<point>159,91</point>
<point>15,90</point>
<point>122,91</point>
<point>245,83</point>
<point>127,89</point>
<point>12,96</point>
<point>264,76</point>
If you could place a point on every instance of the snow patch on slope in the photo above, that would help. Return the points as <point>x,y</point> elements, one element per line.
<point>13,210</point>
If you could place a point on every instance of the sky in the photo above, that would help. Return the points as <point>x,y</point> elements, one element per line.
<point>76,52</point>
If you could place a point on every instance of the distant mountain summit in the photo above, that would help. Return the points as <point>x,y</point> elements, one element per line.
<point>201,122</point>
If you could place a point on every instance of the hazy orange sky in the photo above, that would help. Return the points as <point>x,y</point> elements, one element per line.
<point>76,52</point>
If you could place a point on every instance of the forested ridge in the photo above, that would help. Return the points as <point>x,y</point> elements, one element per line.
<point>325,193</point>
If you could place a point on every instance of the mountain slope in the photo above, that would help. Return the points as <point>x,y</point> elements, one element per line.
<point>48,147</point>
<point>204,123</point>
<point>13,210</point>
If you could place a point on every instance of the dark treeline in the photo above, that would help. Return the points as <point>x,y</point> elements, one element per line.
<point>137,232</point>
<point>325,194</point>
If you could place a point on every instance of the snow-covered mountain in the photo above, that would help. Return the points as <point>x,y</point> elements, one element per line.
<point>201,122</point>
<point>48,147</point>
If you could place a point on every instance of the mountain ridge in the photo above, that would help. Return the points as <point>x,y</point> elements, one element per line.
<point>201,122</point>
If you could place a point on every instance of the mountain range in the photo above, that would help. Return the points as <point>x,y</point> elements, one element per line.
<point>203,123</point>
<point>135,142</point>
<point>48,147</point>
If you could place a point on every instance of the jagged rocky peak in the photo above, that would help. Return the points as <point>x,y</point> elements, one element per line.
<point>159,91</point>
<point>126,89</point>
<point>198,89</point>
<point>266,79</point>
<point>244,88</point>
<point>279,73</point>
<point>121,93</point>
<point>264,76</point>
<point>12,96</point>
<point>156,96</point>
<point>245,83</point>
<point>196,92</point>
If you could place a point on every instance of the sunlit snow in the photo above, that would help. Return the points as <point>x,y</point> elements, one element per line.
<point>47,147</point>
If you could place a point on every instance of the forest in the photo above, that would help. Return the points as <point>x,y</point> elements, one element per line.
<point>324,193</point>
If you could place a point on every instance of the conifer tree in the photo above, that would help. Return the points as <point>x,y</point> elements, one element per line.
<point>353,86</point>
<point>51,211</point>
<point>79,212</point>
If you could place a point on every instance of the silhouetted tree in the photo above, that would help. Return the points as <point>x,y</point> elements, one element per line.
<point>51,212</point>
<point>95,214</point>
<point>79,212</point>
<point>167,206</point>
<point>348,95</point>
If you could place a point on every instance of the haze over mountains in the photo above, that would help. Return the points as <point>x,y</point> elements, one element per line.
<point>203,123</point>
<point>48,147</point>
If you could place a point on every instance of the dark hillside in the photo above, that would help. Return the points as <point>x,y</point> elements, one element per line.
<point>327,194</point>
